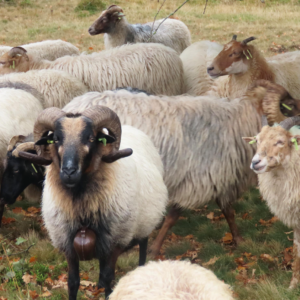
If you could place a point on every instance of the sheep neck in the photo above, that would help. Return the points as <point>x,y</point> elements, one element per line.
<point>258,69</point>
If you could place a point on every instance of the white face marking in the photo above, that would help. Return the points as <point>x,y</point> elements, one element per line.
<point>237,67</point>
<point>261,167</point>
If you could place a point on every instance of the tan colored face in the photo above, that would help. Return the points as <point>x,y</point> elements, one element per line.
<point>231,60</point>
<point>10,64</point>
<point>274,148</point>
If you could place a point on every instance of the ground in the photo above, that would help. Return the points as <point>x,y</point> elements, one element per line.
<point>259,268</point>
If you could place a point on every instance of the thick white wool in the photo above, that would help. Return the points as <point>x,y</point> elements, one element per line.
<point>50,49</point>
<point>171,280</point>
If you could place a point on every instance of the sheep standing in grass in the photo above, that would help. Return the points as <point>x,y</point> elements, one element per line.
<point>245,64</point>
<point>50,49</point>
<point>171,280</point>
<point>154,68</point>
<point>197,139</point>
<point>277,163</point>
<point>117,31</point>
<point>89,187</point>
<point>57,87</point>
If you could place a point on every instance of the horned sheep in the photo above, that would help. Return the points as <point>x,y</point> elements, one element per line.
<point>171,280</point>
<point>277,163</point>
<point>244,64</point>
<point>57,87</point>
<point>116,203</point>
<point>117,31</point>
<point>184,127</point>
<point>151,67</point>
<point>49,49</point>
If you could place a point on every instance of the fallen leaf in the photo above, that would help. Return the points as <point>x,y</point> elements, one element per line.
<point>6,221</point>
<point>87,283</point>
<point>210,215</point>
<point>46,294</point>
<point>63,277</point>
<point>182,218</point>
<point>27,278</point>
<point>33,210</point>
<point>49,281</point>
<point>227,239</point>
<point>91,48</point>
<point>33,294</point>
<point>18,210</point>
<point>32,259</point>
<point>189,237</point>
<point>210,262</point>
<point>266,257</point>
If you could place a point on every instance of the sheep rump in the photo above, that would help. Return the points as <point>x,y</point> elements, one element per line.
<point>171,280</point>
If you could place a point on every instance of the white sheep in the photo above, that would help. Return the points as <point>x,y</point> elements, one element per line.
<point>117,31</point>
<point>195,59</point>
<point>171,280</point>
<point>154,68</point>
<point>49,49</point>
<point>244,64</point>
<point>197,139</point>
<point>116,203</point>
<point>277,163</point>
<point>57,87</point>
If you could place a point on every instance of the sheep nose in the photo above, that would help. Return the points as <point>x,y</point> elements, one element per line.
<point>255,162</point>
<point>210,69</point>
<point>69,171</point>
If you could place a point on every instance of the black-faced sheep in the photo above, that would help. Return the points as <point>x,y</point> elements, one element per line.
<point>117,31</point>
<point>89,187</point>
<point>154,68</point>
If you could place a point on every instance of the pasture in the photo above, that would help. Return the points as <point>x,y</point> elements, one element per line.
<point>260,267</point>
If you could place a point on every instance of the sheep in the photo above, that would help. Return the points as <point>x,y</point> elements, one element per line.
<point>57,87</point>
<point>116,204</point>
<point>196,138</point>
<point>195,59</point>
<point>244,64</point>
<point>49,49</point>
<point>171,280</point>
<point>277,163</point>
<point>19,109</point>
<point>117,31</point>
<point>151,67</point>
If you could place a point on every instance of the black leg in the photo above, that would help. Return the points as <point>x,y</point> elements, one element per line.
<point>73,279</point>
<point>1,213</point>
<point>143,251</point>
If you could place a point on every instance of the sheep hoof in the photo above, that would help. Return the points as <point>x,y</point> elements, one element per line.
<point>153,252</point>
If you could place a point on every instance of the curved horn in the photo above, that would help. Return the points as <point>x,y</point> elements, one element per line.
<point>246,41</point>
<point>234,37</point>
<point>111,6</point>
<point>14,140</point>
<point>23,148</point>
<point>288,123</point>
<point>36,159</point>
<point>17,51</point>
<point>104,117</point>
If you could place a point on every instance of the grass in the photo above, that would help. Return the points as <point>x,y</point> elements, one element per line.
<point>276,24</point>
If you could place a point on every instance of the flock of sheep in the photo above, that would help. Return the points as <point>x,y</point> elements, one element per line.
<point>112,138</point>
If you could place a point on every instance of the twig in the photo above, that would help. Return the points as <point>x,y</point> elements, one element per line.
<point>171,14</point>
<point>205,7</point>
<point>157,15</point>
<point>17,253</point>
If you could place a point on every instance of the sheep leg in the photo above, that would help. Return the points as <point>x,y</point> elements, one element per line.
<point>1,213</point>
<point>169,222</point>
<point>73,277</point>
<point>296,264</point>
<point>107,270</point>
<point>143,251</point>
<point>228,212</point>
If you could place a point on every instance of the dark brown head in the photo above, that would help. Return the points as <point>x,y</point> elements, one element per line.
<point>107,21</point>
<point>77,144</point>
<point>233,59</point>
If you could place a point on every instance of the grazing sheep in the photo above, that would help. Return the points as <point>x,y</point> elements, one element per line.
<point>195,59</point>
<point>151,67</point>
<point>57,87</point>
<point>197,138</point>
<point>171,280</point>
<point>116,203</point>
<point>50,49</point>
<point>117,31</point>
<point>277,163</point>
<point>245,64</point>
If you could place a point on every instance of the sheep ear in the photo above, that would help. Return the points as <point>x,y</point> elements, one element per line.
<point>46,140</point>
<point>248,139</point>
<point>295,139</point>
<point>105,138</point>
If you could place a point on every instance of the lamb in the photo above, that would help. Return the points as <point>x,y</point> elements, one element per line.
<point>195,59</point>
<point>57,87</point>
<point>245,64</point>
<point>277,163</point>
<point>201,160</point>
<point>151,67</point>
<point>49,49</point>
<point>170,280</point>
<point>114,204</point>
<point>117,31</point>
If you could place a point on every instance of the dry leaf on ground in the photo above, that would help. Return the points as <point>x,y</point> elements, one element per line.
<point>227,239</point>
<point>210,262</point>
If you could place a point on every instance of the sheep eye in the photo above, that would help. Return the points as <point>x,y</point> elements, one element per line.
<point>17,171</point>
<point>230,55</point>
<point>91,139</point>
<point>279,143</point>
